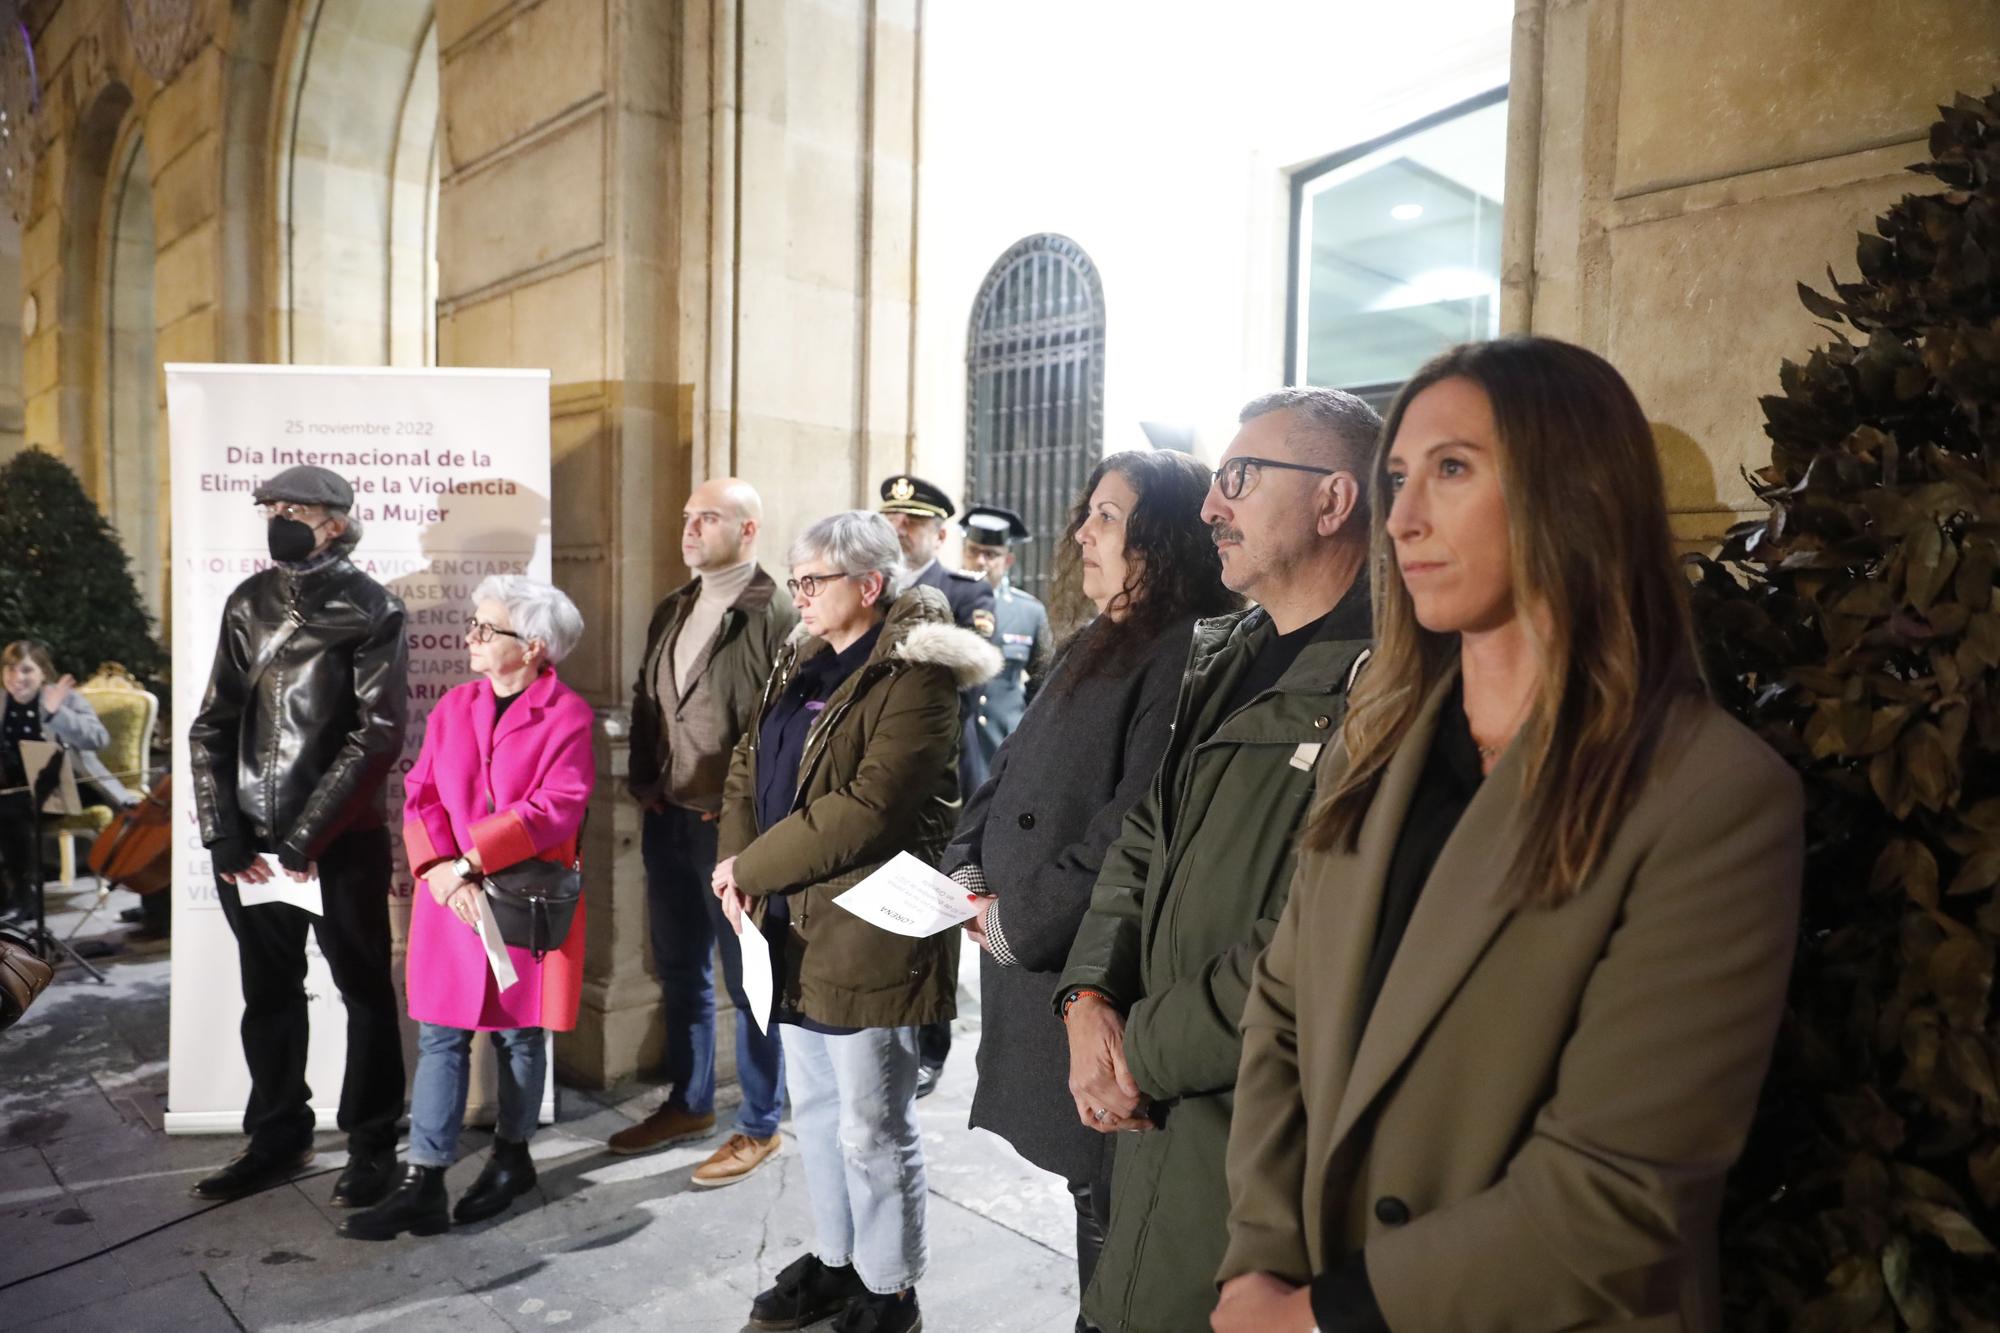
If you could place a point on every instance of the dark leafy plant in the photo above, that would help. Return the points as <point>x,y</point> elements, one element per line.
<point>64,578</point>
<point>1855,627</point>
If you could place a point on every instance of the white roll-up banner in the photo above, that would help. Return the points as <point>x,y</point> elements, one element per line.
<point>450,470</point>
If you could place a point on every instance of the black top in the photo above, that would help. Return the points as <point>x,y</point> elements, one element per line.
<point>781,742</point>
<point>22,722</point>
<point>1451,778</point>
<point>502,701</point>
<point>1342,1297</point>
<point>1268,667</point>
<point>781,746</point>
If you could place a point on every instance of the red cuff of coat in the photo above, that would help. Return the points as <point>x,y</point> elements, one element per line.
<point>502,840</point>
<point>423,849</point>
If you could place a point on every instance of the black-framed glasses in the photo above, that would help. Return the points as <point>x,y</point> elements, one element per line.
<point>1236,478</point>
<point>810,584</point>
<point>481,632</point>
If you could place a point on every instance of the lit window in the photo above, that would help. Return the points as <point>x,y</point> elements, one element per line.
<point>1396,250</point>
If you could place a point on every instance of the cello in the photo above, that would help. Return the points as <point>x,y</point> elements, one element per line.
<point>135,849</point>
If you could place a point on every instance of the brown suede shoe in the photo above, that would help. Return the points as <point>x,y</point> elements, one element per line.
<point>736,1159</point>
<point>669,1124</point>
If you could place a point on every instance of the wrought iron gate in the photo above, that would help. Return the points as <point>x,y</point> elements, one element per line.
<point>1034,400</point>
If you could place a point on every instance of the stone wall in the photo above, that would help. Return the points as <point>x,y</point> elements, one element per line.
<point>1688,164</point>
<point>712,292</point>
<point>99,104</point>
<point>11,417</point>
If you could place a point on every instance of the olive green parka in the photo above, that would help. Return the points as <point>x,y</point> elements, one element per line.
<point>1188,896</point>
<point>879,775</point>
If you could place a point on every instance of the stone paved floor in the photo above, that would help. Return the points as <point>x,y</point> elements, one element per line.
<point>97,1230</point>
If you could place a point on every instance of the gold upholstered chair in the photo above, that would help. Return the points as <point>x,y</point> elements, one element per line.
<point>128,713</point>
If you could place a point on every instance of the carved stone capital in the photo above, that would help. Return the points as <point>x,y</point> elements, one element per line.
<point>166,34</point>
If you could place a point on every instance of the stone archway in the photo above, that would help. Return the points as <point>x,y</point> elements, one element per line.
<point>79,297</point>
<point>128,444</point>
<point>357,186</point>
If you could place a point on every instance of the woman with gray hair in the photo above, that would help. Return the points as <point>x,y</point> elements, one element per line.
<point>854,759</point>
<point>503,777</point>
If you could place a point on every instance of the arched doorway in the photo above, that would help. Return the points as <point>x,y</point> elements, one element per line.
<point>96,153</point>
<point>133,493</point>
<point>357,186</point>
<point>1035,391</point>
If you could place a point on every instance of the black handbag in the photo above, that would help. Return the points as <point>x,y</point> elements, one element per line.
<point>534,901</point>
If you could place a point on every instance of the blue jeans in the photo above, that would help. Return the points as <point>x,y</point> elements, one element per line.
<point>854,1108</point>
<point>686,921</point>
<point>444,1067</point>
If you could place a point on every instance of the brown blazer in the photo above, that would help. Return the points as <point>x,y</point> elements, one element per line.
<point>1533,1130</point>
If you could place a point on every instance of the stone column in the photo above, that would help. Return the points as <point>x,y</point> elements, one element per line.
<point>11,418</point>
<point>713,293</point>
<point>1676,169</point>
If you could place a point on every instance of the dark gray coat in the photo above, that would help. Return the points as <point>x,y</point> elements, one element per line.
<point>1038,828</point>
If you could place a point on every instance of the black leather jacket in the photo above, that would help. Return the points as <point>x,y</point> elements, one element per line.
<point>297,756</point>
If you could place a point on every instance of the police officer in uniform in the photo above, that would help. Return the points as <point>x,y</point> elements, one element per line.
<point>917,510</point>
<point>1020,632</point>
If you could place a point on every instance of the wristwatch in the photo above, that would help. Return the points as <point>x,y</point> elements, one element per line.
<point>463,869</point>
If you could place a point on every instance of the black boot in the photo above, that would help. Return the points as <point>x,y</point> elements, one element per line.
<point>367,1178</point>
<point>417,1206</point>
<point>252,1170</point>
<point>1093,1209</point>
<point>509,1173</point>
<point>806,1292</point>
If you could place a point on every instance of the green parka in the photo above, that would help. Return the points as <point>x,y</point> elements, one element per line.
<point>879,776</point>
<point>1189,895</point>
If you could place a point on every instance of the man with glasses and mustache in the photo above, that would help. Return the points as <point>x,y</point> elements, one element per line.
<point>1191,891</point>
<point>301,723</point>
<point>708,653</point>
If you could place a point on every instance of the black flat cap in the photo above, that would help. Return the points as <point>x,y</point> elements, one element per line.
<point>905,494</point>
<point>307,485</point>
<point>990,525</point>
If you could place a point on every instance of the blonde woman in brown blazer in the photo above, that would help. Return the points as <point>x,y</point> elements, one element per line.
<point>1508,1037</point>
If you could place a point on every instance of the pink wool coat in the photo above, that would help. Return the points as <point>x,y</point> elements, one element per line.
<point>514,791</point>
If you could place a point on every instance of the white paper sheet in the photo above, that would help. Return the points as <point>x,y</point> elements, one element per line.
<point>909,898</point>
<point>496,947</point>
<point>281,888</point>
<point>759,986</point>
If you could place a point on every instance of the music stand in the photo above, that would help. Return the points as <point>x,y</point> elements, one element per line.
<point>53,791</point>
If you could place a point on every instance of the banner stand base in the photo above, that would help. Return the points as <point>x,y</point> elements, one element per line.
<point>231,1122</point>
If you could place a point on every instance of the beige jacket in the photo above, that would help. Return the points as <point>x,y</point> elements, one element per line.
<point>1533,1129</point>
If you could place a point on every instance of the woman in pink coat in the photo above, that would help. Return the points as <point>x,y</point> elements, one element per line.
<point>504,775</point>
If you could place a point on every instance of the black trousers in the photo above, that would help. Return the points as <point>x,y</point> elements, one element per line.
<point>17,851</point>
<point>271,950</point>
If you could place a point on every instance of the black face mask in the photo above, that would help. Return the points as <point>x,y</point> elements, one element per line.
<point>291,541</point>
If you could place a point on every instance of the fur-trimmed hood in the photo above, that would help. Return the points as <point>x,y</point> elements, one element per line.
<point>919,629</point>
<point>971,659</point>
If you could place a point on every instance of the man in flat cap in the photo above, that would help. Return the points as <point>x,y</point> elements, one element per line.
<point>917,510</point>
<point>1020,629</point>
<point>301,724</point>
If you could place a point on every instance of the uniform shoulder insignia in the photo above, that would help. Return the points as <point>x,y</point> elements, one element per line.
<point>983,623</point>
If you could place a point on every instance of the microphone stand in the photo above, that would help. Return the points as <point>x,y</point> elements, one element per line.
<point>46,942</point>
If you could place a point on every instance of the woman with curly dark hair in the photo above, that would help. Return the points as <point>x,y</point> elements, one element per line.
<point>1034,835</point>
